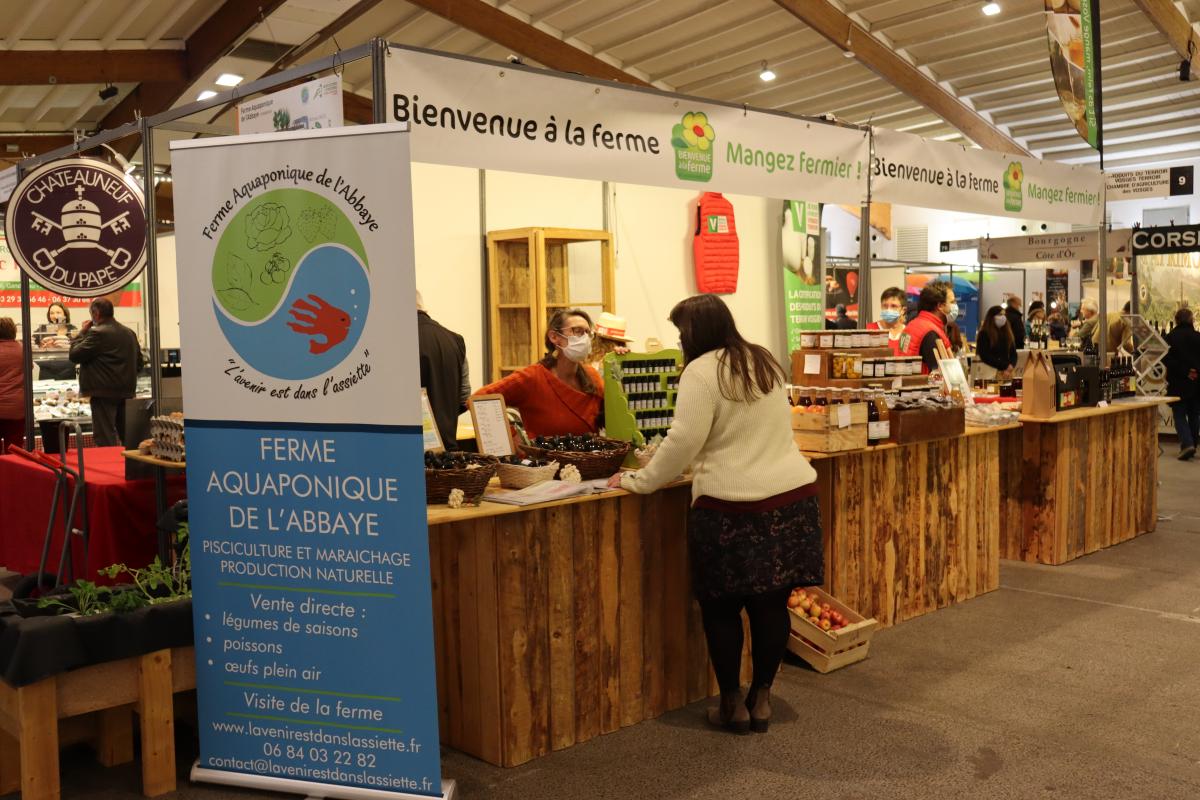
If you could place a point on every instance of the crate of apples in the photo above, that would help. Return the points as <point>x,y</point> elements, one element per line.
<point>826,633</point>
<point>818,611</point>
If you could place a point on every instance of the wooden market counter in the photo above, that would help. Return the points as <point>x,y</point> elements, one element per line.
<point>912,528</point>
<point>1081,481</point>
<point>559,622</point>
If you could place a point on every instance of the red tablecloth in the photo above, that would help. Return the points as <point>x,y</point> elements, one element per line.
<point>121,513</point>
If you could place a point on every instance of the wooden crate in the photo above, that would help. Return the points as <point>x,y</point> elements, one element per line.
<point>926,424</point>
<point>826,651</point>
<point>823,432</point>
<point>820,421</point>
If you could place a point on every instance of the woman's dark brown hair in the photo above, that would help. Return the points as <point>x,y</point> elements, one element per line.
<point>66,312</point>
<point>8,328</point>
<point>550,360</point>
<point>746,371</point>
<point>988,329</point>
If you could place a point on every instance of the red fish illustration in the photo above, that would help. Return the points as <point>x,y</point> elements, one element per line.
<point>318,318</point>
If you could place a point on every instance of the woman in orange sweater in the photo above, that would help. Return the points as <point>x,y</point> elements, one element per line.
<point>559,394</point>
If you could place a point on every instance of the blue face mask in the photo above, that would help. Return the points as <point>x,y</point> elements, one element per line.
<point>889,315</point>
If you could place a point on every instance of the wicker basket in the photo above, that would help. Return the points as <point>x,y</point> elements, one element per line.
<point>590,465</point>
<point>518,476</point>
<point>439,482</point>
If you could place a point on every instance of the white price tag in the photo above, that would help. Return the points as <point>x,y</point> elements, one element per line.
<point>812,364</point>
<point>897,383</point>
<point>1102,404</point>
<point>843,416</point>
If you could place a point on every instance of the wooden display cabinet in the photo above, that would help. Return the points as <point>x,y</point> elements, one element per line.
<point>528,280</point>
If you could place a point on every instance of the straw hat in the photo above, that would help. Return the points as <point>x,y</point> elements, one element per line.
<point>610,326</point>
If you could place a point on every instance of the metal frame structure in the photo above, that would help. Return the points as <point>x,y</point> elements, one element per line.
<point>144,127</point>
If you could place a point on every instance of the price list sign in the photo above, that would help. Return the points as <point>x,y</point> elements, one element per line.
<point>311,586</point>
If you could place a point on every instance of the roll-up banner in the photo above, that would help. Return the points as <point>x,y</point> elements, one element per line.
<point>804,308</point>
<point>481,114</point>
<point>1073,34</point>
<point>313,611</point>
<point>911,170</point>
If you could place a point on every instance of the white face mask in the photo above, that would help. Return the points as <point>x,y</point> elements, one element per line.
<point>952,312</point>
<point>578,348</point>
<point>1000,320</point>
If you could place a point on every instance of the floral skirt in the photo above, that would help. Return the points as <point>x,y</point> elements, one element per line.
<point>745,553</point>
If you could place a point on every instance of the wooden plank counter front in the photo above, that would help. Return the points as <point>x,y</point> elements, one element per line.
<point>912,528</point>
<point>1079,482</point>
<point>556,623</point>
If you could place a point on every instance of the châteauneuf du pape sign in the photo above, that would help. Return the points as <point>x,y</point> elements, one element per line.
<point>1073,34</point>
<point>77,227</point>
<point>311,585</point>
<point>472,113</point>
<point>803,269</point>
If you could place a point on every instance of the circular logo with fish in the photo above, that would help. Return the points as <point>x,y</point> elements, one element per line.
<point>290,284</point>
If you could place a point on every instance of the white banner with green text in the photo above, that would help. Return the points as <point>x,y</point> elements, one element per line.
<point>913,171</point>
<point>500,116</point>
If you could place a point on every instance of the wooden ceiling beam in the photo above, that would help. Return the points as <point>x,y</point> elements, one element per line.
<point>823,17</point>
<point>524,39</point>
<point>1168,19</point>
<point>349,106</point>
<point>215,38</point>
<point>16,146</point>
<point>39,67</point>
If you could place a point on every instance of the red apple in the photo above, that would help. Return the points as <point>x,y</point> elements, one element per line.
<point>794,601</point>
<point>805,603</point>
<point>824,606</point>
<point>825,624</point>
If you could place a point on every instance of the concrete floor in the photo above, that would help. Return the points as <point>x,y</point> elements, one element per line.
<point>1078,681</point>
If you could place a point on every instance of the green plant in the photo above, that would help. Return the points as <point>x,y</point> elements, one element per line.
<point>89,599</point>
<point>158,582</point>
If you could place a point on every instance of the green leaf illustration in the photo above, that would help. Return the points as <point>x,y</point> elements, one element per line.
<point>235,299</point>
<point>239,273</point>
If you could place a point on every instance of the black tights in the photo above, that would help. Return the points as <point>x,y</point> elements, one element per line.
<point>769,628</point>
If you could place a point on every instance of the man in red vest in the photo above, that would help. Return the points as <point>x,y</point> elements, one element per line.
<point>935,307</point>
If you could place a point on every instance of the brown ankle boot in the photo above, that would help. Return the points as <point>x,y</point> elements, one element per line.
<point>731,715</point>
<point>758,704</point>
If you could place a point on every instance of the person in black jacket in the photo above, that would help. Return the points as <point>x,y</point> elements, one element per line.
<point>994,343</point>
<point>445,376</point>
<point>109,360</point>
<point>1183,381</point>
<point>1016,321</point>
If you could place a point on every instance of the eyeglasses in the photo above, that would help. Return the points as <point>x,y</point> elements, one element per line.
<point>576,331</point>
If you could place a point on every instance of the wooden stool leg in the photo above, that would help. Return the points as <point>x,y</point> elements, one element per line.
<point>157,713</point>
<point>38,708</point>
<point>114,739</point>
<point>10,764</point>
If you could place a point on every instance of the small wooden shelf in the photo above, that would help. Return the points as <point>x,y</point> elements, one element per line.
<point>528,271</point>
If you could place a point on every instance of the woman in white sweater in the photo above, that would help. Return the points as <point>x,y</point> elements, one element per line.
<point>754,529</point>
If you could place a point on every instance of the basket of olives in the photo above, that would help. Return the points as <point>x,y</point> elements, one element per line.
<point>594,456</point>
<point>457,470</point>
<point>517,472</point>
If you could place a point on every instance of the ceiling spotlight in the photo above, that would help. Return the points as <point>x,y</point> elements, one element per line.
<point>848,54</point>
<point>229,79</point>
<point>767,73</point>
<point>991,9</point>
<point>108,92</point>
<point>207,93</point>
